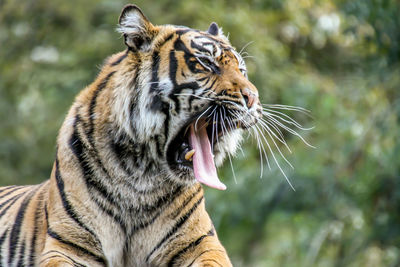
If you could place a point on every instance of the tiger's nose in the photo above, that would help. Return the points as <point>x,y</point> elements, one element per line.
<point>249,97</point>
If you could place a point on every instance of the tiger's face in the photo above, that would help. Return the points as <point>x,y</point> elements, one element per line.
<point>195,99</point>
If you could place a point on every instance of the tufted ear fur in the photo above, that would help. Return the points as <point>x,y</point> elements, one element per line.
<point>137,30</point>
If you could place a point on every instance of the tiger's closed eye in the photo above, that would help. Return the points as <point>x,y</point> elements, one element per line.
<point>207,61</point>
<point>208,64</point>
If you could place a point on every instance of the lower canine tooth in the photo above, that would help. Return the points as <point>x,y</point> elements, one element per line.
<point>189,155</point>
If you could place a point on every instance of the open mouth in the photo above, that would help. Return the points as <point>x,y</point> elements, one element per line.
<point>192,150</point>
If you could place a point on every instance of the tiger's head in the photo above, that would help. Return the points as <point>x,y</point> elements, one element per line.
<point>185,95</point>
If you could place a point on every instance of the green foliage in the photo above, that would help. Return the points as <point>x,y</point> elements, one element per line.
<point>339,59</point>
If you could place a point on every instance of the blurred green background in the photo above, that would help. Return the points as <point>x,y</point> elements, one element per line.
<point>339,59</point>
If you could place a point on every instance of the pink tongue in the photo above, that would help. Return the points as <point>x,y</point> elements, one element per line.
<point>203,161</point>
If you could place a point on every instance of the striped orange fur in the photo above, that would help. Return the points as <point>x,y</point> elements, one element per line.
<point>120,193</point>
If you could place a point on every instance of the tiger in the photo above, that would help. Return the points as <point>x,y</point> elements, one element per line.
<point>133,154</point>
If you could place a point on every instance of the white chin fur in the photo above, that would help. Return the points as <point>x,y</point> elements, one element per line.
<point>228,144</point>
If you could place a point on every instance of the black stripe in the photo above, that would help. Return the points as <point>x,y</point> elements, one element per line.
<point>185,30</point>
<point>211,86</point>
<point>56,236</point>
<point>157,103</point>
<point>204,78</point>
<point>123,153</point>
<point>91,126</point>
<point>166,122</point>
<point>16,230</point>
<point>168,38</point>
<point>67,205</point>
<point>191,61</point>
<point>168,199</point>
<point>173,65</point>
<point>61,255</point>
<point>11,199</point>
<point>160,142</point>
<point>176,227</point>
<point>119,60</point>
<point>159,204</point>
<point>75,264</point>
<point>2,239</point>
<point>185,203</point>
<point>92,106</point>
<point>206,251</point>
<point>117,219</point>
<point>32,252</point>
<point>77,147</point>
<point>10,204</point>
<point>6,188</point>
<point>154,71</point>
<point>199,47</point>
<point>131,157</point>
<point>192,245</point>
<point>94,153</point>
<point>21,254</point>
<point>11,191</point>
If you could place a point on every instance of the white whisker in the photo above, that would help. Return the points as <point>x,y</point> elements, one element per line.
<point>280,138</point>
<point>258,133</point>
<point>276,146</point>
<point>216,126</point>
<point>277,164</point>
<point>213,129</point>
<point>244,47</point>
<point>291,131</point>
<point>260,151</point>
<point>229,155</point>
<point>287,107</point>
<point>275,128</point>
<point>195,124</point>
<point>282,116</point>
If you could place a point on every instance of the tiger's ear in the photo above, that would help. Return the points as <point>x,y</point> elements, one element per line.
<point>137,29</point>
<point>216,31</point>
<point>213,29</point>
